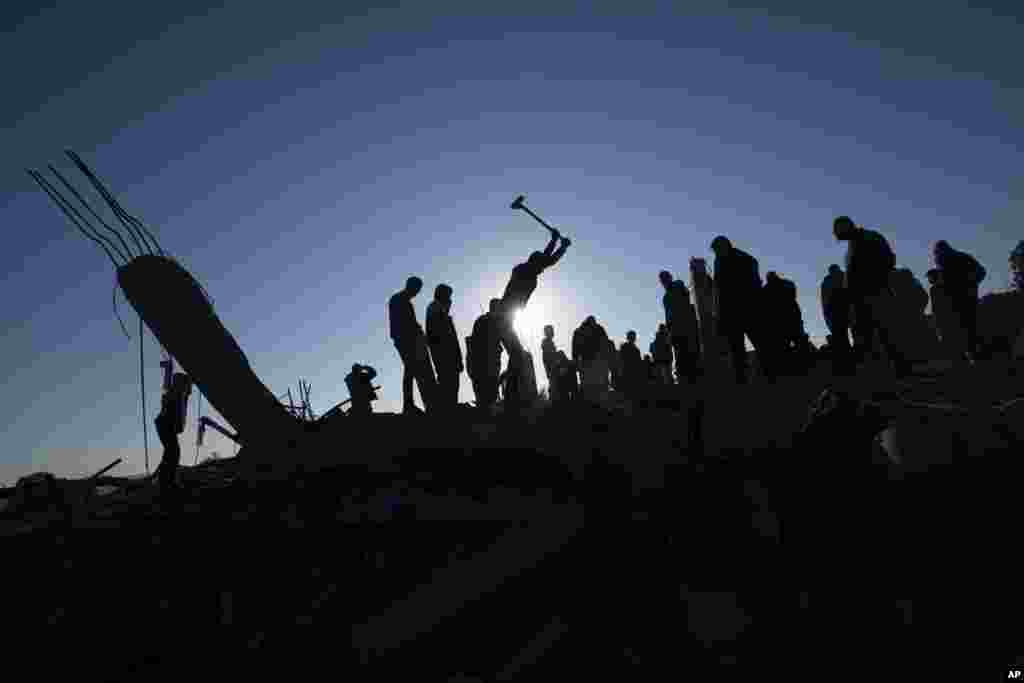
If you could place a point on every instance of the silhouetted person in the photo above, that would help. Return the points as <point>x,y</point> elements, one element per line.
<point>634,372</point>
<point>549,356</point>
<point>568,385</point>
<point>870,262</point>
<point>738,294</point>
<point>484,356</point>
<point>835,307</point>
<point>589,351</point>
<point>444,346</point>
<point>652,374</point>
<point>961,275</point>
<point>681,321</point>
<point>947,326</point>
<point>661,354</point>
<point>518,291</point>
<point>411,343</point>
<point>614,367</point>
<point>170,422</point>
<point>360,389</point>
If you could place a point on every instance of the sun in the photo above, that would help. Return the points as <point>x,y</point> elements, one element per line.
<point>529,324</point>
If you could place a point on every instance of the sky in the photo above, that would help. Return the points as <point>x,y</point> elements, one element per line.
<point>303,160</point>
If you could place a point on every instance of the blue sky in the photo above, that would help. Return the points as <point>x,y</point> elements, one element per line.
<point>302,162</point>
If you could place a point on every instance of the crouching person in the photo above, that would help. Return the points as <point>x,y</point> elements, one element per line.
<point>360,389</point>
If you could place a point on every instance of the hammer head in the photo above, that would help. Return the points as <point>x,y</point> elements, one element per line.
<point>518,203</point>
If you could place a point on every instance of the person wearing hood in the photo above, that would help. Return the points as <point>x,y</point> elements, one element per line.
<point>444,346</point>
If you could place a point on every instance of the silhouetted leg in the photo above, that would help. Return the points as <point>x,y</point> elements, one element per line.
<point>425,379</point>
<point>872,323</point>
<point>686,358</point>
<point>407,352</point>
<point>842,354</point>
<point>168,467</point>
<point>766,342</point>
<point>966,306</point>
<point>510,340</point>
<point>863,329</point>
<point>738,353</point>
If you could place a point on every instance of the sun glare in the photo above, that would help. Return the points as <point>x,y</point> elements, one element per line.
<point>529,324</point>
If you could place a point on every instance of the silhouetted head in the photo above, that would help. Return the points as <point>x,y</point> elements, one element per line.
<point>631,336</point>
<point>413,286</point>
<point>590,320</point>
<point>665,278</point>
<point>771,275</point>
<point>549,331</point>
<point>443,293</point>
<point>721,245</point>
<point>535,258</point>
<point>942,250</point>
<point>934,276</point>
<point>843,227</point>
<point>495,305</point>
<point>662,327</point>
<point>834,269</point>
<point>647,357</point>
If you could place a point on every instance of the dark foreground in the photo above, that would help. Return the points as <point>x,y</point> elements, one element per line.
<point>609,547</point>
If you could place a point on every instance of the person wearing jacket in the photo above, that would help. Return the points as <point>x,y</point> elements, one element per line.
<point>961,275</point>
<point>483,356</point>
<point>444,346</point>
<point>738,298</point>
<point>870,262</point>
<point>411,343</point>
<point>681,321</point>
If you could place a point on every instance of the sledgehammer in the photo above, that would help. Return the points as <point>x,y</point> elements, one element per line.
<point>518,204</point>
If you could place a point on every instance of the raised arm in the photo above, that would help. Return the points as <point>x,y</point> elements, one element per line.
<point>548,250</point>
<point>554,258</point>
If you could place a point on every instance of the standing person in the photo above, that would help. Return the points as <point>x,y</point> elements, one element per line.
<point>835,307</point>
<point>681,322</point>
<point>661,353</point>
<point>944,318</point>
<point>444,346</point>
<point>549,356</point>
<point>484,356</point>
<point>170,422</point>
<point>777,316</point>
<point>738,294</point>
<point>961,275</point>
<point>518,291</point>
<point>633,369</point>
<point>870,262</point>
<point>411,343</point>
<point>614,367</point>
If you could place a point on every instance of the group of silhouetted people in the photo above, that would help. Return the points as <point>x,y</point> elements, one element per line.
<point>740,307</point>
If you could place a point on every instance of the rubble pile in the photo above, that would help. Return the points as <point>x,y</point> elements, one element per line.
<point>589,537</point>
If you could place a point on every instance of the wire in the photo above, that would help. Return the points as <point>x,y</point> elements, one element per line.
<point>42,182</point>
<point>142,381</point>
<point>121,214</point>
<point>199,421</point>
<point>88,207</point>
<point>113,296</point>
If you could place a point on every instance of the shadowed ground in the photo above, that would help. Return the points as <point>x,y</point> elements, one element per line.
<point>575,544</point>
